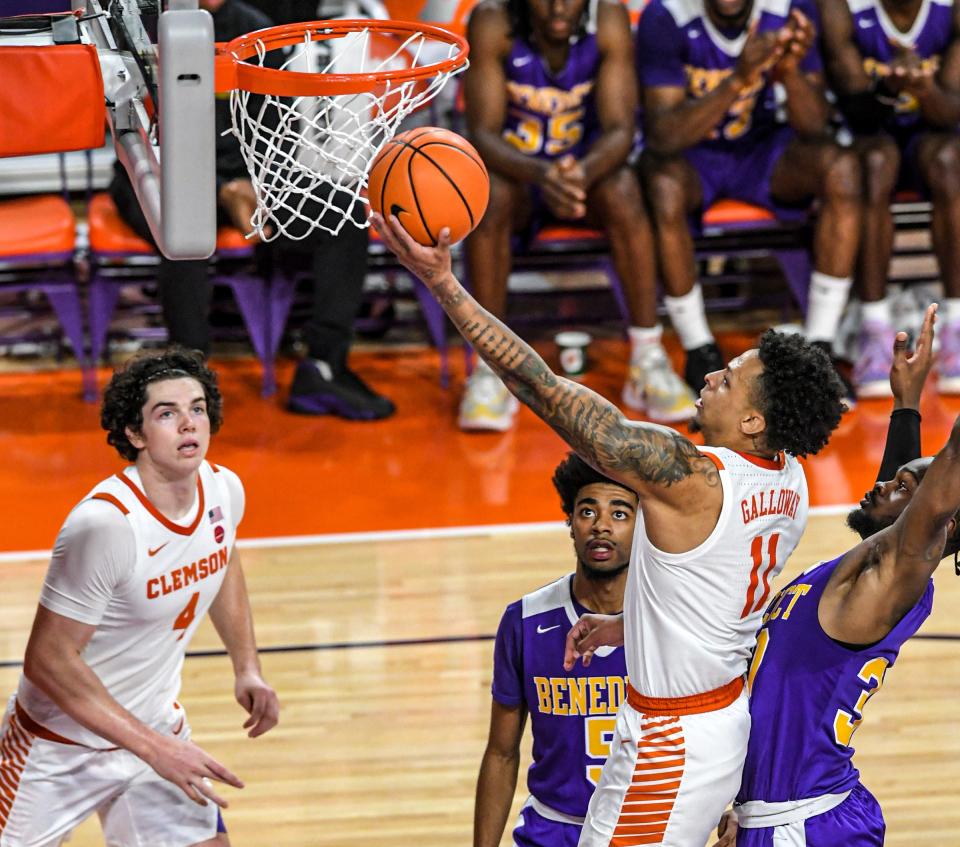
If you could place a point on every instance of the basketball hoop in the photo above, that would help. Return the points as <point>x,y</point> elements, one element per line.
<point>310,126</point>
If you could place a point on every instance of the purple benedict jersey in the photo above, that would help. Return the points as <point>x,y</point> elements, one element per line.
<point>929,36</point>
<point>808,694</point>
<point>552,114</point>
<point>572,714</point>
<point>678,46</point>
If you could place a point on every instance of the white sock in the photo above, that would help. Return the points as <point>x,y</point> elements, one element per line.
<point>877,311</point>
<point>949,311</point>
<point>828,296</point>
<point>689,318</point>
<point>642,337</point>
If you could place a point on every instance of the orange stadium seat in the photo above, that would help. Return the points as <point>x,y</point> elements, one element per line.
<point>37,250</point>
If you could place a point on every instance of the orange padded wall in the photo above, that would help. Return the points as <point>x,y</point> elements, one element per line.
<point>51,99</point>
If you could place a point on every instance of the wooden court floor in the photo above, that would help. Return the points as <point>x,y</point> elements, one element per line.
<point>381,652</point>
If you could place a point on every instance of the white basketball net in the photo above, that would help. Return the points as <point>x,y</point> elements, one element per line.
<point>308,157</point>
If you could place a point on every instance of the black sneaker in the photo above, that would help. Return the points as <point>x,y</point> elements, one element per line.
<point>849,391</point>
<point>700,362</point>
<point>319,390</point>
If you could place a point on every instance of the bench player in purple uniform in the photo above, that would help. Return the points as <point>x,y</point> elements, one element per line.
<point>572,713</point>
<point>551,101</point>
<point>830,636</point>
<point>895,65</point>
<point>711,71</point>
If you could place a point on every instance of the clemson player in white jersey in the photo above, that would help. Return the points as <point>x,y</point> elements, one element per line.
<point>95,725</point>
<point>715,525</point>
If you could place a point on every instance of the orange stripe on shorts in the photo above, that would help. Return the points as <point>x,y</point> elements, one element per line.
<point>656,777</point>
<point>14,745</point>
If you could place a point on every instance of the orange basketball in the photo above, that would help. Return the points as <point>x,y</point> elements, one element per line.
<point>430,178</point>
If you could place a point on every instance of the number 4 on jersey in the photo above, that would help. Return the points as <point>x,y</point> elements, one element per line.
<point>185,618</point>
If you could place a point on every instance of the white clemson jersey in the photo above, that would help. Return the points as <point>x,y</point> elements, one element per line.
<point>144,582</point>
<point>691,618</point>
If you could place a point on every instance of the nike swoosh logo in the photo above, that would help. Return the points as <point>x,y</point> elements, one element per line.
<point>864,24</point>
<point>157,549</point>
<point>541,630</point>
<point>520,61</point>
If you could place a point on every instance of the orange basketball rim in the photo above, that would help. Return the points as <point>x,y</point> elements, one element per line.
<point>234,72</point>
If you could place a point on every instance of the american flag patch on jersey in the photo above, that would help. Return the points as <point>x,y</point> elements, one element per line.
<point>216,514</point>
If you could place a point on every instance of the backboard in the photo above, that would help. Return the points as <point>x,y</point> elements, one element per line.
<point>157,66</point>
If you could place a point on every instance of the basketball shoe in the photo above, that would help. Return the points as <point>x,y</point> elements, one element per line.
<point>871,372</point>
<point>486,403</point>
<point>654,388</point>
<point>700,362</point>
<point>322,388</point>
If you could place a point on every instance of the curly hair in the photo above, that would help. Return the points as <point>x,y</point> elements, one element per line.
<point>799,394</point>
<point>571,475</point>
<point>126,393</point>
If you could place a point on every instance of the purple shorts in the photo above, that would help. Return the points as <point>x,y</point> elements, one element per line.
<point>743,173</point>
<point>856,822</point>
<point>534,830</point>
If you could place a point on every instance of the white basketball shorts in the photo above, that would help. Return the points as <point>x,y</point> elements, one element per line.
<point>669,777</point>
<point>48,788</point>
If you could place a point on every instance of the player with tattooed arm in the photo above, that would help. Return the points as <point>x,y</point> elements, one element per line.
<point>715,526</point>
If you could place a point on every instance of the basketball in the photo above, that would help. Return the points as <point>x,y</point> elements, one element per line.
<point>430,178</point>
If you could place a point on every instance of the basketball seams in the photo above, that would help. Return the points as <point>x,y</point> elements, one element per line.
<point>447,176</point>
<point>467,153</point>
<point>416,195</point>
<point>386,176</point>
<point>439,173</point>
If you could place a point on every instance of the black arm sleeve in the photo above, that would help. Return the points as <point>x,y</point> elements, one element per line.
<point>903,442</point>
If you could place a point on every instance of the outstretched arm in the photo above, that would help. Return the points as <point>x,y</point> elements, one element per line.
<point>650,459</point>
<point>892,568</point>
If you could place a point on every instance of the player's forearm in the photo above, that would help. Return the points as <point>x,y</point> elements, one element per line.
<point>807,108</point>
<point>504,159</point>
<point>939,106</point>
<point>682,126</point>
<point>232,617</point>
<point>608,153</point>
<point>496,786</point>
<point>70,683</point>
<point>903,442</point>
<point>934,503</point>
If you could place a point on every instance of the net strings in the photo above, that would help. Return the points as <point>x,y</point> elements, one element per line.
<point>308,157</point>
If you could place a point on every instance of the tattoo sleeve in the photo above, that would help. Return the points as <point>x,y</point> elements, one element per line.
<point>638,454</point>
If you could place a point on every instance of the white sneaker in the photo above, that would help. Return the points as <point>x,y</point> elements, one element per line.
<point>653,387</point>
<point>486,403</point>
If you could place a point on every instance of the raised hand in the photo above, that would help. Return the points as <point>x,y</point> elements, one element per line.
<point>803,34</point>
<point>761,51</point>
<point>429,263</point>
<point>589,633</point>
<point>260,701</point>
<point>908,373</point>
<point>191,769</point>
